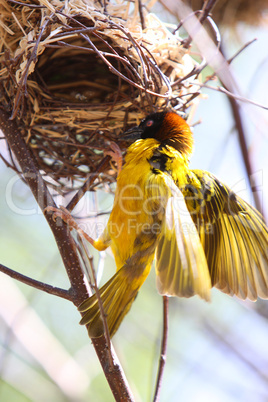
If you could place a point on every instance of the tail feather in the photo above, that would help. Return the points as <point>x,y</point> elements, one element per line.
<point>117,296</point>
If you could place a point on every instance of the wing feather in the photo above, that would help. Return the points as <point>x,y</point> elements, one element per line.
<point>236,246</point>
<point>181,265</point>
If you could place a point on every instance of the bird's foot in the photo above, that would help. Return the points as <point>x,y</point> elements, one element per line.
<point>66,216</point>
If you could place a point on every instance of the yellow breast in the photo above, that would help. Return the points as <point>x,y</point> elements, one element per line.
<point>140,201</point>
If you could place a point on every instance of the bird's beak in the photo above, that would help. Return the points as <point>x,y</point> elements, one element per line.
<point>133,134</point>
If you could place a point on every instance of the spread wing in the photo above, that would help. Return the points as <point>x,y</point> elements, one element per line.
<point>181,265</point>
<point>234,238</point>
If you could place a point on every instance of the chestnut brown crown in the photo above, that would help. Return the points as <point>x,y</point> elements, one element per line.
<point>169,129</point>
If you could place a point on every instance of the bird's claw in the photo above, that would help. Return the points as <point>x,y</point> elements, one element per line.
<point>66,216</point>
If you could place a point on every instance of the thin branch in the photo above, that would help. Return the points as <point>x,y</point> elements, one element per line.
<point>141,14</point>
<point>102,313</point>
<point>105,5</point>
<point>231,95</point>
<point>241,50</point>
<point>196,70</point>
<point>207,8</point>
<point>236,110</point>
<point>233,99</point>
<point>162,360</point>
<point>65,294</point>
<point>204,14</point>
<point>88,263</point>
<point>118,73</point>
<point>25,4</point>
<point>88,183</point>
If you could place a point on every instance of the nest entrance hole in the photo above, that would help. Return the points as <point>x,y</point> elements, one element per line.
<point>77,75</point>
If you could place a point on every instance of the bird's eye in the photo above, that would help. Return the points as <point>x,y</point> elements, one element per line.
<point>149,123</point>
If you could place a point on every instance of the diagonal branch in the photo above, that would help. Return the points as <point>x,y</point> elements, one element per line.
<point>244,150</point>
<point>240,127</point>
<point>65,294</point>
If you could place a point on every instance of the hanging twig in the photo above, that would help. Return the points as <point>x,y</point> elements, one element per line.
<point>162,360</point>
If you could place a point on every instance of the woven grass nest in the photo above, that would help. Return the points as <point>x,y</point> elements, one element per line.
<point>76,74</point>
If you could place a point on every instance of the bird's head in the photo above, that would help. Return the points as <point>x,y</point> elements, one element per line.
<point>166,127</point>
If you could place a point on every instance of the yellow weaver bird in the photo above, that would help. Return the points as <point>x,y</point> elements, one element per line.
<point>200,233</point>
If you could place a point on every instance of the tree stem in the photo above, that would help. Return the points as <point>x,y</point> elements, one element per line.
<point>67,248</point>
